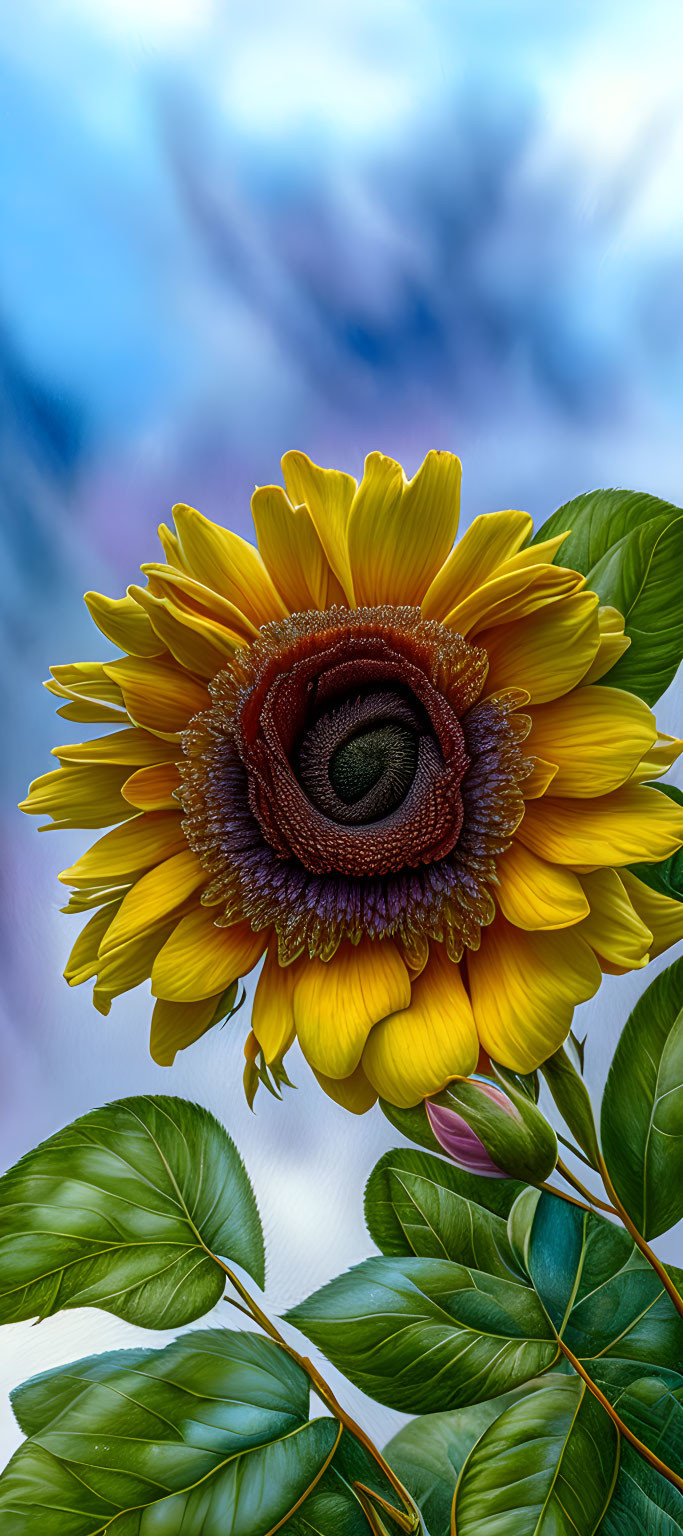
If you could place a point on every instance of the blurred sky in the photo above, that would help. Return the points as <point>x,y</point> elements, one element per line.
<point>231,229</point>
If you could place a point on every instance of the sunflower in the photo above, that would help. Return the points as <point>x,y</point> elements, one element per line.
<point>377,762</point>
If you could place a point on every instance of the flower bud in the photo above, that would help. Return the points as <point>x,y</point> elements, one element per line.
<point>493,1131</point>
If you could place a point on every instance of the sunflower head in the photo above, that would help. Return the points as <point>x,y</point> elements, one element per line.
<point>379,763</point>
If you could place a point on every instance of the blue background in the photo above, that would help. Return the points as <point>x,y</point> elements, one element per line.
<point>232,229</point>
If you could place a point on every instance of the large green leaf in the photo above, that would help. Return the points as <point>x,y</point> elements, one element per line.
<point>603,1298</point>
<point>629,547</point>
<point>423,1335</point>
<point>124,1210</point>
<point>429,1453</point>
<point>417,1204</point>
<point>208,1436</point>
<point>547,1466</point>
<point>654,1411</point>
<point>643,1502</point>
<point>642,1108</point>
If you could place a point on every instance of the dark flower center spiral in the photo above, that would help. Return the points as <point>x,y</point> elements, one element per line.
<point>382,758</point>
<point>349,778</point>
<point>358,761</point>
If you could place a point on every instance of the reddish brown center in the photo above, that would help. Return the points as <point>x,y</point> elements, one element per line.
<point>350,779</point>
<point>354,757</point>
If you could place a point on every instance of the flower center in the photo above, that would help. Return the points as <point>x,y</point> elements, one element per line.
<point>358,761</point>
<point>383,758</point>
<point>350,779</point>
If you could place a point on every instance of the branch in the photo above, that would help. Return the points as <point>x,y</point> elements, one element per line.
<point>640,1242</point>
<point>408,1519</point>
<point>644,1450</point>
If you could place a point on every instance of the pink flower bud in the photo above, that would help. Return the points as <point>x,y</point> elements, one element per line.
<point>490,1131</point>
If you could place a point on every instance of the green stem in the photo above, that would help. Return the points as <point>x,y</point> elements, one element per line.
<point>639,1240</point>
<point>408,1519</point>
<point>582,1190</point>
<point>644,1450</point>
<point>574,1150</point>
<point>552,1189</point>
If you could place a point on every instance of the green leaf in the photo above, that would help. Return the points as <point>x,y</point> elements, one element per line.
<point>209,1435</point>
<point>423,1335</point>
<point>548,1465</point>
<point>429,1453</point>
<point>332,1509</point>
<point>354,1467</point>
<point>642,1108</point>
<point>417,1204</point>
<point>629,547</point>
<point>572,1098</point>
<point>414,1125</point>
<point>643,1502</point>
<point>654,1411</point>
<point>118,1211</point>
<point>603,1298</point>
<point>667,876</point>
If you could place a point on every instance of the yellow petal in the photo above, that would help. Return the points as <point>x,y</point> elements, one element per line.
<point>153,788</point>
<point>524,988</point>
<point>222,560</point>
<point>613,643</point>
<point>132,748</point>
<point>597,736</point>
<point>399,535</point>
<point>91,694</point>
<point>189,598</point>
<point>85,679</point>
<point>200,959</point>
<point>613,929</point>
<point>158,694</point>
<point>161,891</point>
<point>131,963</point>
<point>83,900</point>
<point>82,962</point>
<point>663,915</point>
<point>87,712</point>
<point>123,622</point>
<point>337,1002</point>
<point>176,1025</point>
<point>417,1051</point>
<point>548,652</point>
<point>487,543</point>
<point>328,494</point>
<point>354,1093</point>
<point>659,758</point>
<point>534,894</point>
<point>539,780</point>
<point>632,825</point>
<point>195,642</point>
<point>272,1018</point>
<point>513,595</point>
<point>84,794</point>
<point>293,553</point>
<point>141,842</point>
<point>170,543</point>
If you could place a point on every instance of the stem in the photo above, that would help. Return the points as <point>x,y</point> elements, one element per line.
<point>640,1242</point>
<point>644,1450</point>
<point>552,1189</point>
<point>410,1521</point>
<point>575,1150</point>
<point>576,1184</point>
